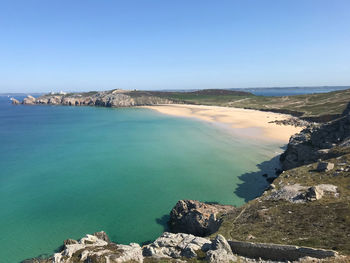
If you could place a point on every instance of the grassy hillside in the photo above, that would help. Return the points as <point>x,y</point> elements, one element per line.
<point>323,223</point>
<point>321,106</point>
<point>317,107</point>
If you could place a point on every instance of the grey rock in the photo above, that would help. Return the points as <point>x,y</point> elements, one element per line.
<point>70,242</point>
<point>176,246</point>
<point>220,256</point>
<point>314,193</point>
<point>29,100</point>
<point>324,166</point>
<point>103,236</point>
<point>15,102</point>
<point>301,194</point>
<point>194,217</point>
<point>316,142</point>
<point>220,243</point>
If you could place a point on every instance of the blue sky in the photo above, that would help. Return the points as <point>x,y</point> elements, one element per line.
<point>162,44</point>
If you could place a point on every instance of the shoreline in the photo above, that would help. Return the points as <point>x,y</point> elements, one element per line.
<point>245,122</point>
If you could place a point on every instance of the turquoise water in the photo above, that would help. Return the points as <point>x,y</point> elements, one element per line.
<point>68,171</point>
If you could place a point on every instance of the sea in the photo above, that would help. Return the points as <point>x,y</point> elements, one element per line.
<point>68,171</point>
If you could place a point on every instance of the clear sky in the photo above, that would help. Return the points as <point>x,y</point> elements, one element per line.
<point>166,44</point>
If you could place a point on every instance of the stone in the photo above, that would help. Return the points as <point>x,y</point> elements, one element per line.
<point>194,217</point>
<point>220,256</point>
<point>301,194</point>
<point>14,101</point>
<point>95,248</point>
<point>70,242</point>
<point>102,235</point>
<point>176,246</point>
<point>316,142</point>
<point>290,193</point>
<point>314,193</point>
<point>220,243</point>
<point>324,166</point>
<point>29,100</point>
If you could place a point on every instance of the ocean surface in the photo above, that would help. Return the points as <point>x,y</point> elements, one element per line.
<point>67,171</point>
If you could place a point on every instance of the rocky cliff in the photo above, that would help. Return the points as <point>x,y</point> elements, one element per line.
<point>114,98</point>
<point>197,218</point>
<point>317,142</point>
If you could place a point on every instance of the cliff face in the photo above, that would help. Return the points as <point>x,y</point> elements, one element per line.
<point>116,98</point>
<point>193,217</point>
<point>317,142</point>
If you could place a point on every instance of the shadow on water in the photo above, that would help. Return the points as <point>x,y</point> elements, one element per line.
<point>254,183</point>
<point>163,221</point>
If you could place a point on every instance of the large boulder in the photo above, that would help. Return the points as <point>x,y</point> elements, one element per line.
<point>197,218</point>
<point>29,100</point>
<point>324,166</point>
<point>96,248</point>
<point>170,245</point>
<point>220,251</point>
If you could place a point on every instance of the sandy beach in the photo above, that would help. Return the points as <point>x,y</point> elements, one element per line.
<point>250,123</point>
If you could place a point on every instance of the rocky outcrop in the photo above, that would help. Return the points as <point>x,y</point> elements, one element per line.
<point>29,100</point>
<point>193,217</point>
<point>97,248</point>
<point>301,194</point>
<point>293,121</point>
<point>316,142</point>
<point>94,248</point>
<point>178,247</point>
<point>15,102</point>
<point>115,98</point>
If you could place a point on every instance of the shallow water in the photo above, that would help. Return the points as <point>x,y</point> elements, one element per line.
<point>68,171</point>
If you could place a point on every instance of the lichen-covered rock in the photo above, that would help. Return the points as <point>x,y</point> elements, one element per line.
<point>220,243</point>
<point>96,248</point>
<point>197,218</point>
<point>220,256</point>
<point>179,245</point>
<point>300,194</point>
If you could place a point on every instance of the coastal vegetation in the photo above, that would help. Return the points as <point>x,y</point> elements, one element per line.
<point>320,107</point>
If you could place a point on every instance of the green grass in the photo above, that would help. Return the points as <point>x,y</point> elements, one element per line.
<point>324,223</point>
<point>317,107</point>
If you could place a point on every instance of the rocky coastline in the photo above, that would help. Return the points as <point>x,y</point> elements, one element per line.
<point>113,98</point>
<point>314,183</point>
<point>181,247</point>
